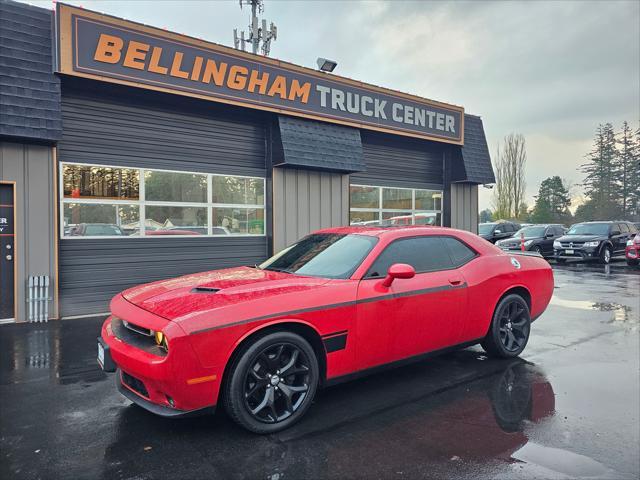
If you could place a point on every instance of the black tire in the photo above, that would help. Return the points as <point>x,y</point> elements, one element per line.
<point>538,250</point>
<point>510,327</point>
<point>605,255</point>
<point>285,399</point>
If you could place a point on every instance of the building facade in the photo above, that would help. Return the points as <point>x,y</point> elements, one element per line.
<point>129,154</point>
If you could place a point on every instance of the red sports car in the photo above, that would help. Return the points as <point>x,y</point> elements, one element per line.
<point>339,303</point>
<point>632,252</point>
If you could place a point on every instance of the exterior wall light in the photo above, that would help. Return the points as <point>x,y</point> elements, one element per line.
<point>326,65</point>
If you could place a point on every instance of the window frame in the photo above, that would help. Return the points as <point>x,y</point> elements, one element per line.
<point>141,203</point>
<point>453,267</point>
<point>400,211</point>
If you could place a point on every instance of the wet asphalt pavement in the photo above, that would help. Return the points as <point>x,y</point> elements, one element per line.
<point>570,408</point>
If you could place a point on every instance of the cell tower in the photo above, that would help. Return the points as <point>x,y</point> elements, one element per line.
<point>257,33</point>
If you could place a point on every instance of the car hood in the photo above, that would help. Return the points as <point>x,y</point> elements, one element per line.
<point>580,238</point>
<point>183,297</point>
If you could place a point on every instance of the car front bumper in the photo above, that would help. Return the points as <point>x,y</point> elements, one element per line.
<point>632,253</point>
<point>577,254</point>
<point>171,385</point>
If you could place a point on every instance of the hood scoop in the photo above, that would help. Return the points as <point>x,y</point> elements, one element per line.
<point>205,290</point>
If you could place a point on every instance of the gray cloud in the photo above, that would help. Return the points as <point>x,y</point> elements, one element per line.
<point>549,70</point>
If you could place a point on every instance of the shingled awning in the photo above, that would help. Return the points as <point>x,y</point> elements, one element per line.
<point>317,145</point>
<point>473,163</point>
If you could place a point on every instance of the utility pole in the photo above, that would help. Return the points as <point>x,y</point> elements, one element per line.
<point>257,33</point>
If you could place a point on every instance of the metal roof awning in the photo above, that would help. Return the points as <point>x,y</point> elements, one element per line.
<point>473,163</point>
<point>318,145</point>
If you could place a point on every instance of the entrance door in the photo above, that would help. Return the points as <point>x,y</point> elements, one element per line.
<point>7,253</point>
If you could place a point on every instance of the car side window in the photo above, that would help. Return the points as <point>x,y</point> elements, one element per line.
<point>458,251</point>
<point>424,254</point>
<point>623,228</point>
<point>632,228</point>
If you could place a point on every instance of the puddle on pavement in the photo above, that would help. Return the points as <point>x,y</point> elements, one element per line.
<point>622,315</point>
<point>558,462</point>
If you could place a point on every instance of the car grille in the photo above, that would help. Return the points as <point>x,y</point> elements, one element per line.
<point>572,244</point>
<point>134,384</point>
<point>136,336</point>
<point>510,245</point>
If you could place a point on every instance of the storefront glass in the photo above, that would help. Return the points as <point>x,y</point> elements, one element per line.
<point>104,201</point>
<point>371,205</point>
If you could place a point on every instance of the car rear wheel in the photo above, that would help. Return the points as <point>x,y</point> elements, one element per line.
<point>605,255</point>
<point>510,327</point>
<point>271,382</point>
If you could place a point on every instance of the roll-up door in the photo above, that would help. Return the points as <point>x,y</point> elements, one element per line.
<point>396,161</point>
<point>124,128</point>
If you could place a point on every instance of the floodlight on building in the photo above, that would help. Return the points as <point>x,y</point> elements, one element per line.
<point>326,65</point>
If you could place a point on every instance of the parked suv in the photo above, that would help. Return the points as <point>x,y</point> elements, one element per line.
<point>495,231</point>
<point>594,241</point>
<point>537,238</point>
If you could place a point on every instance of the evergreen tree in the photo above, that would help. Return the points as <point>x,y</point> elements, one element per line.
<point>633,205</point>
<point>623,169</point>
<point>600,180</point>
<point>552,202</point>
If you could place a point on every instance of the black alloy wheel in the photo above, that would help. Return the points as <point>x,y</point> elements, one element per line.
<point>510,328</point>
<point>272,383</point>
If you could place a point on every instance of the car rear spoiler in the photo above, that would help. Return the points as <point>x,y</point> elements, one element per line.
<point>526,254</point>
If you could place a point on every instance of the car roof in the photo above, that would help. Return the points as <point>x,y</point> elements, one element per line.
<point>378,230</point>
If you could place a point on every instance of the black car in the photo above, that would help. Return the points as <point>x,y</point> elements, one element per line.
<point>495,231</point>
<point>594,241</point>
<point>537,238</point>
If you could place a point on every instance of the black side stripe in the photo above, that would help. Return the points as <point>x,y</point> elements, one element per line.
<point>341,332</point>
<point>334,305</point>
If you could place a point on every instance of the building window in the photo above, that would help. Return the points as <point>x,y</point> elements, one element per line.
<point>394,206</point>
<point>104,201</point>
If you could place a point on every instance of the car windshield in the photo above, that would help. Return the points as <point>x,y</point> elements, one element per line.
<point>589,229</point>
<point>530,232</point>
<point>327,255</point>
<point>485,228</point>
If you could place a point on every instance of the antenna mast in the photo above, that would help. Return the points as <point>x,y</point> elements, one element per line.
<point>257,33</point>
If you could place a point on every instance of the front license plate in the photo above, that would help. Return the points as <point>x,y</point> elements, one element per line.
<point>101,355</point>
<point>569,252</point>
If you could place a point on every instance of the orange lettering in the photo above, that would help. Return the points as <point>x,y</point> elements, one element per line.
<point>175,67</point>
<point>237,77</point>
<point>197,67</point>
<point>214,72</point>
<point>259,82</point>
<point>298,90</point>
<point>109,49</point>
<point>136,54</point>
<point>279,86</point>
<point>154,65</point>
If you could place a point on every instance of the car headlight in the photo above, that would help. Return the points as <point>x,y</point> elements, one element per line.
<point>161,340</point>
<point>528,242</point>
<point>591,244</point>
<point>557,245</point>
<point>629,243</point>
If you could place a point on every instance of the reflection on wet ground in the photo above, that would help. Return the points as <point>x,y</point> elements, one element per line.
<point>568,409</point>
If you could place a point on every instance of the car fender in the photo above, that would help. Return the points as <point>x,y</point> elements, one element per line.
<point>269,324</point>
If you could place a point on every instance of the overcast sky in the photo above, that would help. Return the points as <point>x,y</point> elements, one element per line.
<point>549,70</point>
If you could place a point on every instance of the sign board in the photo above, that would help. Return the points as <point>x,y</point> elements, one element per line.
<point>105,48</point>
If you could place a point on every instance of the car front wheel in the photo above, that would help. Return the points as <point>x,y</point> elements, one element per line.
<point>605,255</point>
<point>510,327</point>
<point>272,382</point>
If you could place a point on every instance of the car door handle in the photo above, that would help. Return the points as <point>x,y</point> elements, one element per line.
<point>455,281</point>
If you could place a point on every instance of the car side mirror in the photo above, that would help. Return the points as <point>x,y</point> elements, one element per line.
<point>497,231</point>
<point>398,270</point>
<point>549,235</point>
